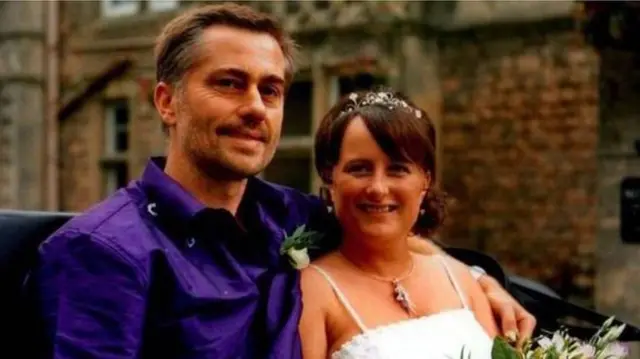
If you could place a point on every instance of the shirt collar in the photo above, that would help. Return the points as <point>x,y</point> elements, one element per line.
<point>169,196</point>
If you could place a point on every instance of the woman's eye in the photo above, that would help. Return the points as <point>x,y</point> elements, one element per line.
<point>357,169</point>
<point>399,168</point>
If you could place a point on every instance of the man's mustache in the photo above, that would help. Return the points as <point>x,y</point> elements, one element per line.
<point>255,133</point>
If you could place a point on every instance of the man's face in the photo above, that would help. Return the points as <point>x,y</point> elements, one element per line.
<point>227,111</point>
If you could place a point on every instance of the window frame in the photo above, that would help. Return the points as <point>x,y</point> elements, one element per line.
<point>112,159</point>
<point>167,5</point>
<point>109,8</point>
<point>297,145</point>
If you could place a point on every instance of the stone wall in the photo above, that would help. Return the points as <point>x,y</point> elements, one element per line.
<point>519,125</point>
<point>80,143</point>
<point>21,104</point>
<point>92,46</point>
<point>8,170</point>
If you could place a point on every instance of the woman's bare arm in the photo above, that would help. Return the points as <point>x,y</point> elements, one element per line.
<point>312,326</point>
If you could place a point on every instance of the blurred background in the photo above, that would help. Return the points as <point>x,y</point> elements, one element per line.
<point>536,106</point>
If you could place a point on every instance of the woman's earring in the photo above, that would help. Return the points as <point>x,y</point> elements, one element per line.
<point>326,198</point>
<point>424,201</point>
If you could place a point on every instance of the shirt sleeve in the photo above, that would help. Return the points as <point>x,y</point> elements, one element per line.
<point>91,297</point>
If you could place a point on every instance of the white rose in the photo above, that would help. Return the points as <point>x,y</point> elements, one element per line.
<point>299,257</point>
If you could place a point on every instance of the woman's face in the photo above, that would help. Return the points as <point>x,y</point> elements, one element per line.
<point>374,196</point>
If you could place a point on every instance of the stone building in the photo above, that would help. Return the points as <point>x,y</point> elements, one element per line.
<point>530,151</point>
<point>23,122</point>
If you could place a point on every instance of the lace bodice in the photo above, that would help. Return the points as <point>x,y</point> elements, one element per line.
<point>443,335</point>
<point>438,336</point>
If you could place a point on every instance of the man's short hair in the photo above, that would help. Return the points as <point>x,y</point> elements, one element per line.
<point>176,46</point>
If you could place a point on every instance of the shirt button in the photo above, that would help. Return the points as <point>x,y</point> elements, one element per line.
<point>151,208</point>
<point>191,242</point>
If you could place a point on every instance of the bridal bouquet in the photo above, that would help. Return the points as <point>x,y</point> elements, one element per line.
<point>559,345</point>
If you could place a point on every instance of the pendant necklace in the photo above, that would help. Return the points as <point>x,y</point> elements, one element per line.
<point>401,296</point>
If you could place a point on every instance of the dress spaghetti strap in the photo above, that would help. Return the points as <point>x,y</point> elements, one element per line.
<point>454,281</point>
<point>341,297</point>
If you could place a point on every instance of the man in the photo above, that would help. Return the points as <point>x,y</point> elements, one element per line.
<point>184,262</point>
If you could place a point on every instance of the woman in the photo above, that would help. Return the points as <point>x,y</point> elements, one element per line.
<point>372,297</point>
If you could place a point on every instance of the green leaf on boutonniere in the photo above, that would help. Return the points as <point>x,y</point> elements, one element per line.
<point>300,239</point>
<point>296,246</point>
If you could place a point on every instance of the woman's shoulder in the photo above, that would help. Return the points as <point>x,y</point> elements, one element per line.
<point>329,261</point>
<point>318,271</point>
<point>442,261</point>
<point>315,284</point>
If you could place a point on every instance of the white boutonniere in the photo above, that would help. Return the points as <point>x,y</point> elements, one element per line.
<point>296,246</point>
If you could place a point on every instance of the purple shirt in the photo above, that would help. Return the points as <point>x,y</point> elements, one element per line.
<point>152,273</point>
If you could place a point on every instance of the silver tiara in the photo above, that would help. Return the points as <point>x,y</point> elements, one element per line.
<point>386,99</point>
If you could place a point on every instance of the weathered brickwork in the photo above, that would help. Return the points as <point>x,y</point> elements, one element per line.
<point>83,136</point>
<point>80,142</point>
<point>519,129</point>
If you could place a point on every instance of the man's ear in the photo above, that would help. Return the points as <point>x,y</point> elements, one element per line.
<point>164,98</point>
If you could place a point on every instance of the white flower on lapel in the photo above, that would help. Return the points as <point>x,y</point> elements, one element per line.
<point>299,257</point>
<point>296,246</point>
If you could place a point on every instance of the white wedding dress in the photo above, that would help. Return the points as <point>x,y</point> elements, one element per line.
<point>437,336</point>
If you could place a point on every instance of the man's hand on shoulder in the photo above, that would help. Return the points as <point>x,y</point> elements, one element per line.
<point>515,321</point>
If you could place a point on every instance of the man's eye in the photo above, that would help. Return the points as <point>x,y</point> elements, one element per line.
<point>270,91</point>
<point>231,83</point>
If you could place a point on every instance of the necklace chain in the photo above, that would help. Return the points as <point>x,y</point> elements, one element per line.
<point>404,276</point>
<point>401,296</point>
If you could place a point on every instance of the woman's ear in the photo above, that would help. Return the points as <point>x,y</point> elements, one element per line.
<point>423,195</point>
<point>427,185</point>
